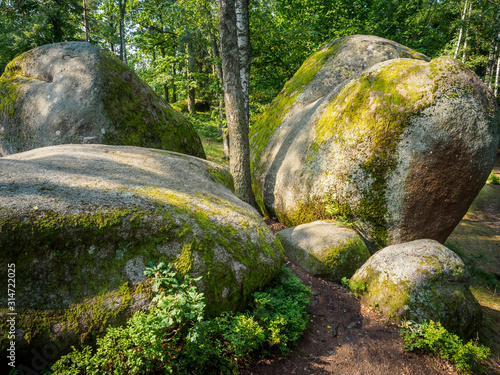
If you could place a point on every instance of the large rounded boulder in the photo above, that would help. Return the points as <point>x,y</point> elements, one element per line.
<point>81,222</point>
<point>75,92</point>
<point>376,134</point>
<point>324,248</point>
<point>420,280</point>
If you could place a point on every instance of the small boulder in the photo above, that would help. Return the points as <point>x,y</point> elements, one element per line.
<point>324,248</point>
<point>81,222</point>
<point>373,132</point>
<point>420,280</point>
<point>75,92</point>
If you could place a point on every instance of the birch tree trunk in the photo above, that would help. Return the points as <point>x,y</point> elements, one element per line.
<point>492,56</point>
<point>235,95</point>
<point>461,31</point>
<point>122,4</point>
<point>245,52</point>
<point>85,22</point>
<point>466,34</point>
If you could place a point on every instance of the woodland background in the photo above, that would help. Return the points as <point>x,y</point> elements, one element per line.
<point>173,45</point>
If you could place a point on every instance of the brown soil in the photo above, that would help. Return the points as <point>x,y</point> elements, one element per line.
<point>345,337</point>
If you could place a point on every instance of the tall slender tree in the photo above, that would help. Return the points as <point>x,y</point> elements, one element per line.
<point>122,4</point>
<point>235,49</point>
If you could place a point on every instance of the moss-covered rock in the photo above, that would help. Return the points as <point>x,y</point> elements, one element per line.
<point>420,280</point>
<point>325,248</point>
<point>81,222</point>
<point>76,93</point>
<point>372,132</point>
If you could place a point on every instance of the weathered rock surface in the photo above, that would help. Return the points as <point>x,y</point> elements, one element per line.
<point>398,146</point>
<point>80,222</point>
<point>75,92</point>
<point>420,280</point>
<point>324,248</point>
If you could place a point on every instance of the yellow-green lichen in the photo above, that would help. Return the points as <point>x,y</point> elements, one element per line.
<point>266,125</point>
<point>223,176</point>
<point>375,107</point>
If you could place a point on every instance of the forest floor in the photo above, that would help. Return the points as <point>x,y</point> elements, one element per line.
<point>344,336</point>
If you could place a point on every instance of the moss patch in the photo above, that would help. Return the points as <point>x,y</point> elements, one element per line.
<point>271,119</point>
<point>376,107</point>
<point>137,115</point>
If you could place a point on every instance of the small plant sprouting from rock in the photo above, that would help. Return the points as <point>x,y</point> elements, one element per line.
<point>433,338</point>
<point>176,338</point>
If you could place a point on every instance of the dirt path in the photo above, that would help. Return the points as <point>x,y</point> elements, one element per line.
<point>345,337</point>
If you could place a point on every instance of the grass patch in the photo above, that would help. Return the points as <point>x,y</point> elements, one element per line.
<point>175,338</point>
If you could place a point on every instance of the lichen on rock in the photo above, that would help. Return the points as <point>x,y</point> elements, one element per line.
<point>374,138</point>
<point>74,92</point>
<point>324,248</point>
<point>80,222</point>
<point>420,280</point>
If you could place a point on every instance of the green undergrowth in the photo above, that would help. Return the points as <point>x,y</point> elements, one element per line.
<point>175,338</point>
<point>494,179</point>
<point>207,127</point>
<point>431,337</point>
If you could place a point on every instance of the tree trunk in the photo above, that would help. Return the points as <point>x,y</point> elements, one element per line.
<point>165,85</point>
<point>461,31</point>
<point>243,33</point>
<point>218,68</point>
<point>191,70</point>
<point>85,22</point>
<point>122,4</point>
<point>466,34</point>
<point>492,56</point>
<point>235,97</point>
<point>496,77</point>
<point>174,91</point>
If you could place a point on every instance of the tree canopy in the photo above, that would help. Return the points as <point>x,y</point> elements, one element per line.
<point>174,44</point>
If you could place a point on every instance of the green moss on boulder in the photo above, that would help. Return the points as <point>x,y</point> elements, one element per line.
<point>374,139</point>
<point>420,280</point>
<point>325,248</point>
<point>80,222</point>
<point>75,92</point>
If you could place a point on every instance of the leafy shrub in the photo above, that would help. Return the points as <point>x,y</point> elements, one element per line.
<point>433,338</point>
<point>174,337</point>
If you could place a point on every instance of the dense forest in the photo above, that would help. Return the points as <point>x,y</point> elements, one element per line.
<point>174,45</point>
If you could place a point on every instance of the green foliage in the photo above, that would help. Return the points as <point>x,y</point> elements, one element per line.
<point>205,124</point>
<point>433,338</point>
<point>281,308</point>
<point>356,287</point>
<point>174,337</point>
<point>494,179</point>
